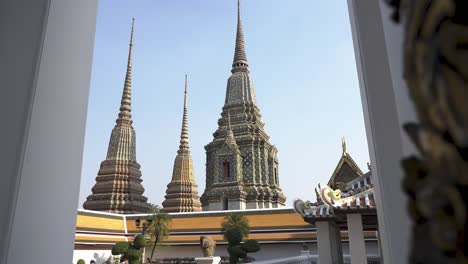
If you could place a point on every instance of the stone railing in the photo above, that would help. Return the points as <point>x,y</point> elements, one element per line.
<point>305,259</point>
<point>302,259</point>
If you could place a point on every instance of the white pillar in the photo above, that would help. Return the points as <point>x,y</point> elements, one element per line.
<point>386,107</point>
<point>357,246</point>
<point>329,242</point>
<point>46,58</point>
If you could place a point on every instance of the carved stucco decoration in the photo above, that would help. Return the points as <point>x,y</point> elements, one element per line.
<point>436,73</point>
<point>327,198</point>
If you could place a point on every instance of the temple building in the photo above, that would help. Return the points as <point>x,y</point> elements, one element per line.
<point>241,163</point>
<point>343,231</point>
<point>182,191</point>
<point>347,173</point>
<point>347,202</point>
<point>118,187</point>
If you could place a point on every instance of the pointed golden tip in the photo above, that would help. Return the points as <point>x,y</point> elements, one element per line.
<point>343,145</point>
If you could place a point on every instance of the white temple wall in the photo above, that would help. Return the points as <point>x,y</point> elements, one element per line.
<point>267,252</point>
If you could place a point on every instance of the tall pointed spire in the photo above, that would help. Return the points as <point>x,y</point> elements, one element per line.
<point>118,187</point>
<point>184,138</point>
<point>125,115</point>
<point>258,173</point>
<point>240,58</point>
<point>182,191</point>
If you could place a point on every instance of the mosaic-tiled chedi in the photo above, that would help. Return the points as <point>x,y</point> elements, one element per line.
<point>182,191</point>
<point>118,187</point>
<point>242,165</point>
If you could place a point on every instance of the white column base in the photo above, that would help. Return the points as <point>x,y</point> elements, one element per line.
<point>329,242</point>
<point>208,260</point>
<point>357,246</point>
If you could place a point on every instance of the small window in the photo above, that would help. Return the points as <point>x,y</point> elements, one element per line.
<point>225,204</point>
<point>227,169</point>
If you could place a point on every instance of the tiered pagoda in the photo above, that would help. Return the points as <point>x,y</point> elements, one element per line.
<point>118,187</point>
<point>241,163</point>
<point>182,191</point>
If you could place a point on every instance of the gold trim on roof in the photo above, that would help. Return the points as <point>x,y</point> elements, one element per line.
<point>345,158</point>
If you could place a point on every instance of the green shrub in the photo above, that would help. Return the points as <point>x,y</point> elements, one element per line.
<point>120,248</point>
<point>251,246</point>
<point>80,261</point>
<point>237,250</point>
<point>130,251</point>
<point>132,255</point>
<point>233,236</point>
<point>139,241</point>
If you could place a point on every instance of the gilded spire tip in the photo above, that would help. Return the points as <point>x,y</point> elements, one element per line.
<point>343,146</point>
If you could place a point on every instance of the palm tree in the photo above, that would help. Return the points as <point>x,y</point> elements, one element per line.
<point>159,227</point>
<point>236,221</point>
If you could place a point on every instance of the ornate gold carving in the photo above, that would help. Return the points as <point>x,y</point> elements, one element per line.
<point>436,73</point>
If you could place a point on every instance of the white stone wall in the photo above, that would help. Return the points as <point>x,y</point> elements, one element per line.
<point>267,252</point>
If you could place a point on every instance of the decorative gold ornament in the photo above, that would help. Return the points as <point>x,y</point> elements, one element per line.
<point>436,73</point>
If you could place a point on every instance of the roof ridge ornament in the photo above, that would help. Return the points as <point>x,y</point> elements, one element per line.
<point>343,146</point>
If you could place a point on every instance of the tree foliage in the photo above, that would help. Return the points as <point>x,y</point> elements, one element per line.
<point>238,222</point>
<point>130,251</point>
<point>235,228</point>
<point>139,241</point>
<point>233,236</point>
<point>81,261</point>
<point>159,228</point>
<point>120,248</point>
<point>251,245</point>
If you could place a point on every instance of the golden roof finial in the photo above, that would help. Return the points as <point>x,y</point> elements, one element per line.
<point>343,145</point>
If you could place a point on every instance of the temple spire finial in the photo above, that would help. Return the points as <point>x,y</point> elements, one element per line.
<point>125,115</point>
<point>240,58</point>
<point>184,135</point>
<point>343,146</point>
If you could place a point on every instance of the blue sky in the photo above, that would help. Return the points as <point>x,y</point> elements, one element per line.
<point>301,59</point>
